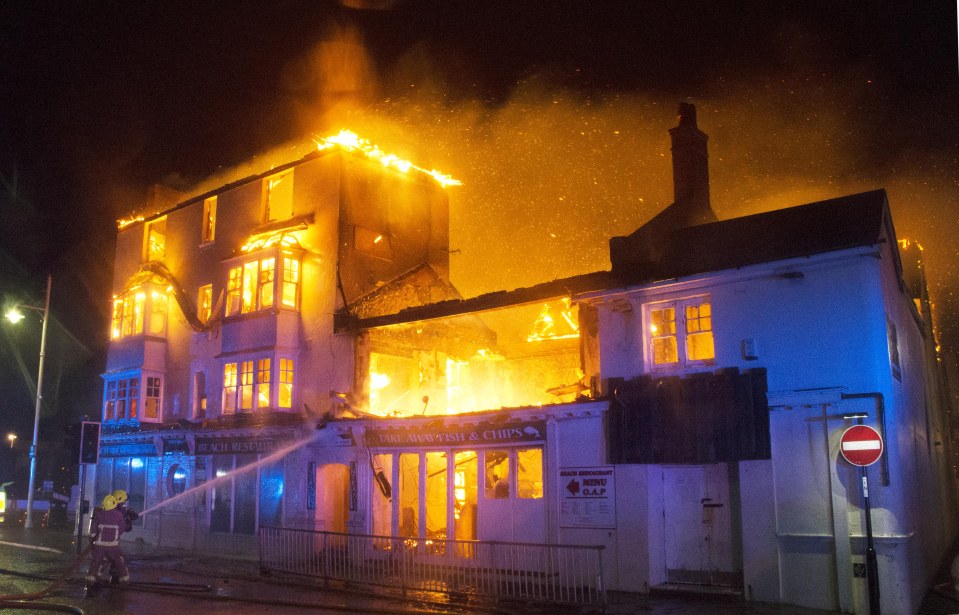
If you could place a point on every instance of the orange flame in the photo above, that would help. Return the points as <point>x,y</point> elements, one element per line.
<point>351,142</point>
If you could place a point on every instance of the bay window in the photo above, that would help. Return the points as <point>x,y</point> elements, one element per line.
<point>248,385</point>
<point>252,285</point>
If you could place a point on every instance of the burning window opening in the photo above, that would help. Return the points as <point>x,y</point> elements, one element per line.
<point>351,142</point>
<point>472,363</point>
<point>546,327</point>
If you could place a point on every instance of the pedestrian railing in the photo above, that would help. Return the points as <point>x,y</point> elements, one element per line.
<point>571,574</point>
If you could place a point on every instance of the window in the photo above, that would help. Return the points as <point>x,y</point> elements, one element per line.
<point>286,384</point>
<point>158,312</point>
<point>234,498</point>
<point>680,332</point>
<point>128,474</point>
<point>128,311</point>
<point>229,388</point>
<point>199,395</point>
<point>155,248</point>
<point>497,474</point>
<point>278,196</point>
<point>252,285</point>
<point>204,303</point>
<point>121,399</point>
<point>248,385</point>
<point>208,232</point>
<point>138,308</point>
<point>529,473</point>
<point>291,281</point>
<point>151,408</point>
<point>262,384</point>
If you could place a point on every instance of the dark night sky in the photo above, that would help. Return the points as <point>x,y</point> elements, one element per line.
<point>554,115</point>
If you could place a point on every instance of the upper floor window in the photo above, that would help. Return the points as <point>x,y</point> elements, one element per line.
<point>278,196</point>
<point>204,303</point>
<point>137,306</point>
<point>208,231</point>
<point>680,332</point>
<point>248,385</point>
<point>252,285</point>
<point>121,399</point>
<point>155,240</point>
<point>128,314</point>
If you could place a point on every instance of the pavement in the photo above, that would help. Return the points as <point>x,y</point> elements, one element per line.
<point>241,580</point>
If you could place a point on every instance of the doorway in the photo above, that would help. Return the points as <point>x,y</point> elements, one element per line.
<point>332,497</point>
<point>699,526</point>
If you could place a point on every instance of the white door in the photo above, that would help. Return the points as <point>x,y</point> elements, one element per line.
<point>698,535</point>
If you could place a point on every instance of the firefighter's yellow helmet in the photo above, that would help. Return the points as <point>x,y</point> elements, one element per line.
<point>109,502</point>
<point>120,495</point>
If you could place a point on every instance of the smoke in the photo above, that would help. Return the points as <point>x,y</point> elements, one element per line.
<point>553,170</point>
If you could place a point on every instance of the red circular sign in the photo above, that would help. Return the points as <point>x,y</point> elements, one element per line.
<point>861,445</point>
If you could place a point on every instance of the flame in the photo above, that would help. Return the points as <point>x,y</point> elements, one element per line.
<point>122,223</point>
<point>351,142</point>
<point>545,326</point>
<point>906,242</point>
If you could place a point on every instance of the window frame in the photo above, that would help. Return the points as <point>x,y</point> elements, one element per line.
<point>253,284</point>
<point>244,377</point>
<point>272,196</point>
<point>681,334</point>
<point>208,222</point>
<point>155,228</point>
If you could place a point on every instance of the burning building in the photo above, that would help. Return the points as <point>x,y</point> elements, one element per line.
<point>683,410</point>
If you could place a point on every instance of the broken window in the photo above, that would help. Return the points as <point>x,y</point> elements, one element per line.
<point>204,303</point>
<point>208,231</point>
<point>158,312</point>
<point>155,248</point>
<point>680,332</point>
<point>278,196</point>
<point>529,473</point>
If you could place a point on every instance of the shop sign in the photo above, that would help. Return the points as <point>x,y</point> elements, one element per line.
<point>131,449</point>
<point>234,446</point>
<point>457,435</point>
<point>588,497</point>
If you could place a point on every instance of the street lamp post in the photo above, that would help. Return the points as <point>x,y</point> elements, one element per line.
<point>44,312</point>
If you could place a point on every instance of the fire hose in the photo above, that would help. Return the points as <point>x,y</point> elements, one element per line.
<point>19,601</point>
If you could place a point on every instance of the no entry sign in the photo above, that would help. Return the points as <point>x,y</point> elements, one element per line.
<point>861,445</point>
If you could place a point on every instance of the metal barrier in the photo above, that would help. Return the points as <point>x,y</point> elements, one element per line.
<point>570,574</point>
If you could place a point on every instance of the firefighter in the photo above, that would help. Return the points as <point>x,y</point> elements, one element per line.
<point>129,515</point>
<point>106,525</point>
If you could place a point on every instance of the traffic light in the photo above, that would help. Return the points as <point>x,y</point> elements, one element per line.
<point>89,442</point>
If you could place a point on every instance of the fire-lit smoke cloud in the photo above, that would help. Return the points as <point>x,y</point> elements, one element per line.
<point>551,173</point>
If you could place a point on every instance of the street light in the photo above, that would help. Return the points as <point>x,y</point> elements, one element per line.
<point>14,316</point>
<point>12,437</point>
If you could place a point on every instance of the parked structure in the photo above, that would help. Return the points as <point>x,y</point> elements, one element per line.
<point>682,409</point>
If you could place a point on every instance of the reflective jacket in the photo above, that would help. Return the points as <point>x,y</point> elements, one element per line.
<point>106,527</point>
